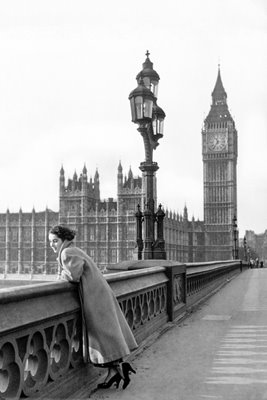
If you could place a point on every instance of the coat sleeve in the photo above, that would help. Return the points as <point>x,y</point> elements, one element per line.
<point>72,266</point>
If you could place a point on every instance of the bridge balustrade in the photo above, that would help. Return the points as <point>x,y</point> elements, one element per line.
<point>41,354</point>
<point>203,277</point>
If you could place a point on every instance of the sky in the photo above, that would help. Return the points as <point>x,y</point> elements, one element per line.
<point>66,71</point>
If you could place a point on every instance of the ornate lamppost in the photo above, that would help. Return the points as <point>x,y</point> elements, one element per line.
<point>235,238</point>
<point>150,118</point>
<point>248,253</point>
<point>245,248</point>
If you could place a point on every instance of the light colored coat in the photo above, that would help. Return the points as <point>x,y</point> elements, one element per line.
<point>109,335</point>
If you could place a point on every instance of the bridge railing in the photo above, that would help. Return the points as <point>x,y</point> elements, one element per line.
<point>205,277</point>
<point>41,352</point>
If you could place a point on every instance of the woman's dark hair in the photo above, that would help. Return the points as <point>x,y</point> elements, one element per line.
<point>63,232</point>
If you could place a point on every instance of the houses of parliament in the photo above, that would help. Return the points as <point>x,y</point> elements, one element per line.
<point>106,229</point>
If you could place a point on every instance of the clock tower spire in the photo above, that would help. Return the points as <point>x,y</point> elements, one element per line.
<point>219,151</point>
<point>219,95</point>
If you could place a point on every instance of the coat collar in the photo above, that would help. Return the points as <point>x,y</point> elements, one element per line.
<point>66,243</point>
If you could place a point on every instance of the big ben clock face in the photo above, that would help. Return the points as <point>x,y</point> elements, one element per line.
<point>217,141</point>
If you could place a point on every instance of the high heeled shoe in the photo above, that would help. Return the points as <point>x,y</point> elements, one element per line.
<point>114,379</point>
<point>127,369</point>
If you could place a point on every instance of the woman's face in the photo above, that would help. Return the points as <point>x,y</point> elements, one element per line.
<point>55,242</point>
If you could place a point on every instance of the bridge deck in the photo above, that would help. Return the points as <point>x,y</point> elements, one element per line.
<point>218,352</point>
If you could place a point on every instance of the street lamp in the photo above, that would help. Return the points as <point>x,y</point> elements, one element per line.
<point>248,252</point>
<point>149,76</point>
<point>141,100</point>
<point>150,119</point>
<point>235,238</point>
<point>245,248</point>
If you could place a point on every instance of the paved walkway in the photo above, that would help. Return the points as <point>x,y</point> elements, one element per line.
<point>218,352</point>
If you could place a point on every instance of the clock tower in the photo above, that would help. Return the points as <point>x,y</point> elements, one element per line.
<point>219,151</point>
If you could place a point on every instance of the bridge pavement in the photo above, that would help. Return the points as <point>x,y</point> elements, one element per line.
<point>218,352</point>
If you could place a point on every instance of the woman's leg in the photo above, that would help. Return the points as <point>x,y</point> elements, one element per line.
<point>118,368</point>
<point>127,369</point>
<point>117,371</point>
<point>114,374</point>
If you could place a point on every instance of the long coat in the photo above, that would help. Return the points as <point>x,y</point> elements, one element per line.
<point>107,331</point>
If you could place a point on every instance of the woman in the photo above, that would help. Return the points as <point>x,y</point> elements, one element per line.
<point>109,337</point>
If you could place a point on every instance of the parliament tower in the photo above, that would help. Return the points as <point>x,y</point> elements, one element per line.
<point>219,151</point>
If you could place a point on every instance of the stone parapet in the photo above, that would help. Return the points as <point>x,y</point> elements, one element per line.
<point>41,350</point>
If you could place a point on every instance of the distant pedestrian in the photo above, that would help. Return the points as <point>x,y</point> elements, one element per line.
<point>108,337</point>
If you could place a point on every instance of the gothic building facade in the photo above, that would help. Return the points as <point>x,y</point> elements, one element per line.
<point>106,229</point>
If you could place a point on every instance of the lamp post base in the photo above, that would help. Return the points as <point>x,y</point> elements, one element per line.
<point>159,252</point>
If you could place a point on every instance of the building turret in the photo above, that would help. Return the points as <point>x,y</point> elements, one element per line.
<point>119,178</point>
<point>84,170</point>
<point>74,181</point>
<point>84,179</point>
<point>97,186</point>
<point>130,174</point>
<point>185,216</point>
<point>62,180</point>
<point>131,179</point>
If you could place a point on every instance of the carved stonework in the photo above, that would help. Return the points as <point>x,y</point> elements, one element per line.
<point>144,306</point>
<point>29,359</point>
<point>178,289</point>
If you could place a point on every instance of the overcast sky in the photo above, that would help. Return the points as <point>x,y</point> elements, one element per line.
<point>67,68</point>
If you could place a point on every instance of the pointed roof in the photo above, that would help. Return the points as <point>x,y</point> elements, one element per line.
<point>219,109</point>
<point>96,174</point>
<point>84,169</point>
<point>219,94</point>
<point>185,216</point>
<point>130,173</point>
<point>120,167</point>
